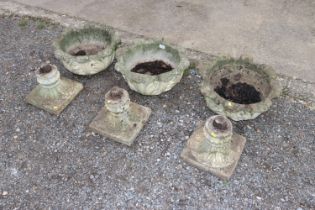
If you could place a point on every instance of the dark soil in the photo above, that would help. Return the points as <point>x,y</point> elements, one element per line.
<point>86,49</point>
<point>45,69</point>
<point>152,68</point>
<point>240,92</point>
<point>80,53</point>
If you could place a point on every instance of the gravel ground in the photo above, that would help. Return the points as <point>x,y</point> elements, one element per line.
<point>48,161</point>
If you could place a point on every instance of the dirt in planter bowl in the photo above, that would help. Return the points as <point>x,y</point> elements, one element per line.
<point>152,67</point>
<point>86,49</point>
<point>240,92</point>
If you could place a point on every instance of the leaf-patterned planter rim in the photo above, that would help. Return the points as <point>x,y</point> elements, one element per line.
<point>147,51</point>
<point>262,77</point>
<point>87,64</point>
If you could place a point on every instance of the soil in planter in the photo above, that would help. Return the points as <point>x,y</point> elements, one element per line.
<point>86,49</point>
<point>45,69</point>
<point>240,92</point>
<point>152,68</point>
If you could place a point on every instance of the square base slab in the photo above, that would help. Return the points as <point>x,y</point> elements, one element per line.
<point>138,116</point>
<point>238,143</point>
<point>70,89</point>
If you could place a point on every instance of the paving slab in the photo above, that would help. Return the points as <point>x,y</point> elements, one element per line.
<point>279,33</point>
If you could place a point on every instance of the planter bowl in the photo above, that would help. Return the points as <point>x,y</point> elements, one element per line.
<point>239,88</point>
<point>155,53</point>
<point>86,51</point>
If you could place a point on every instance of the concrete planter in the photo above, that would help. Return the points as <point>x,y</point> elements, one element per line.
<point>239,89</point>
<point>86,51</point>
<point>135,62</point>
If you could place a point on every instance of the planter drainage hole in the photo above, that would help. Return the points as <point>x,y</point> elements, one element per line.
<point>239,92</point>
<point>115,94</point>
<point>45,69</point>
<point>152,68</point>
<point>219,123</point>
<point>86,49</point>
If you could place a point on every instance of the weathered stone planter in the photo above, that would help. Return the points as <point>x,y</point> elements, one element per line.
<point>120,119</point>
<point>86,51</point>
<point>53,93</point>
<point>214,147</point>
<point>152,68</point>
<point>239,88</point>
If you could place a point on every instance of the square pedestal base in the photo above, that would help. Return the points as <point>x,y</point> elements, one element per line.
<point>138,116</point>
<point>70,89</point>
<point>238,143</point>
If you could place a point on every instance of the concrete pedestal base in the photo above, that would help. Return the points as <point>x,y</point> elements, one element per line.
<point>105,125</point>
<point>68,90</point>
<point>237,145</point>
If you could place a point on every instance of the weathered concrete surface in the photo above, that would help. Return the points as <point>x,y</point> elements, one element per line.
<point>279,33</point>
<point>50,162</point>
